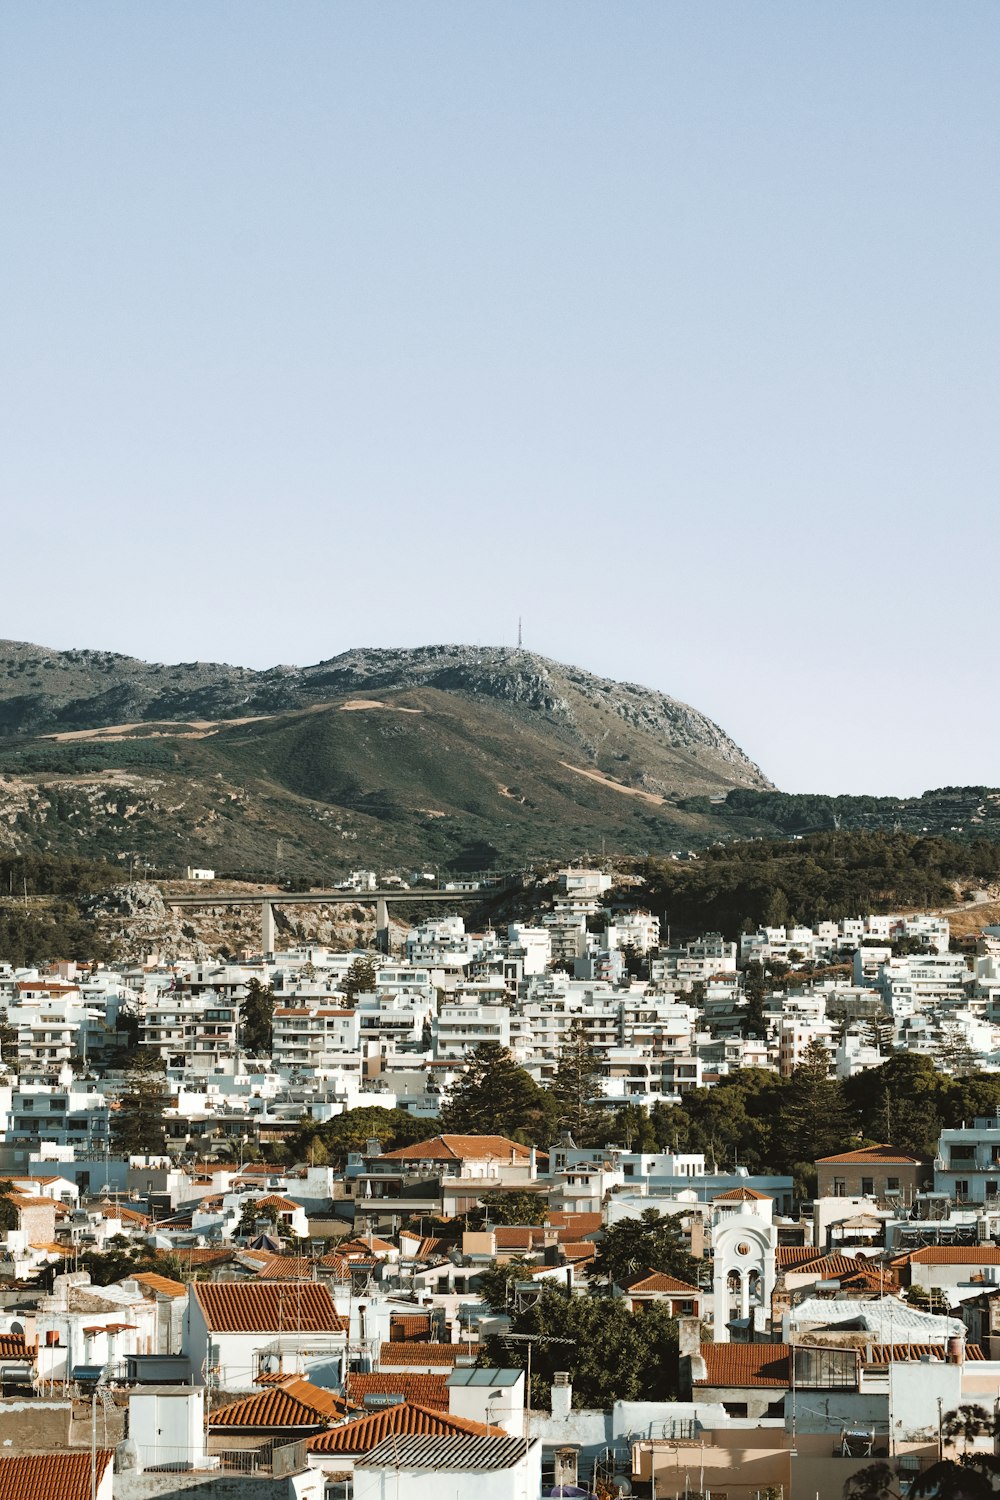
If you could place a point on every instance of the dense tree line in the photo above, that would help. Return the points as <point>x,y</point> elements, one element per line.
<point>737,887</point>
<point>29,937</point>
<point>752,1118</point>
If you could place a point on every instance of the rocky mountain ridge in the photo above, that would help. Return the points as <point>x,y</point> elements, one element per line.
<point>44,692</point>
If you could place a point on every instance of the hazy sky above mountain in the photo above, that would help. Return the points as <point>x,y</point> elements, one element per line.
<point>670,327</point>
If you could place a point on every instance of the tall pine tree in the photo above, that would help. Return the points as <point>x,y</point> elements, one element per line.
<point>576,1087</point>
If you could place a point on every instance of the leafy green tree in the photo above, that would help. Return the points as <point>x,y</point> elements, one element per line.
<point>576,1085</point>
<point>257,1017</point>
<point>614,1354</point>
<point>755,990</point>
<point>497,1097</point>
<point>8,1208</point>
<point>361,978</point>
<point>253,1212</point>
<point>510,1208</point>
<point>353,1130</point>
<point>495,1284</point>
<point>652,1242</point>
<point>137,1125</point>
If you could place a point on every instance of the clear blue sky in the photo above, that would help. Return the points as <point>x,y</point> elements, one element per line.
<point>670,327</point>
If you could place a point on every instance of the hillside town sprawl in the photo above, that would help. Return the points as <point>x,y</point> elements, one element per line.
<point>250,1306</point>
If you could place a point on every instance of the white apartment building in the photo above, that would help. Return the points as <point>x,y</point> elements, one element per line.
<point>458,1029</point>
<point>534,944</point>
<point>306,1038</point>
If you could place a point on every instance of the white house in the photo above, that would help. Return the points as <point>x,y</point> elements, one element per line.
<point>234,1331</point>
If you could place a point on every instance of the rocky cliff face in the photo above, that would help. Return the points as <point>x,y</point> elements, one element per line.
<point>534,684</point>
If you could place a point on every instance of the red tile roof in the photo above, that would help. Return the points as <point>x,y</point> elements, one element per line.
<point>659,1281</point>
<point>827,1267</point>
<point>365,1433</point>
<point>573,1225</point>
<point>518,1237</point>
<point>794,1255</point>
<point>391,1355</point>
<point>740,1195</point>
<point>889,1156</point>
<point>424,1390</point>
<point>50,1476</point>
<point>14,1346</point>
<point>253,1307</point>
<point>297,1403</point>
<point>165,1286</point>
<point>738,1365</point>
<point>409,1329</point>
<point>286,1268</point>
<point>462,1148</point>
<point>957,1255</point>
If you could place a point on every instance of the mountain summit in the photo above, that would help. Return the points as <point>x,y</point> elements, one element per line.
<point>446,753</point>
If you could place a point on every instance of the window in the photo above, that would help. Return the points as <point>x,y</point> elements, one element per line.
<point>867,1187</point>
<point>892,1184</point>
<point>961,1189</point>
<point>839,1187</point>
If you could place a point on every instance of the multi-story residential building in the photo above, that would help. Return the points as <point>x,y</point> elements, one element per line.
<point>872,1172</point>
<point>967,1166</point>
<point>320,1038</point>
<point>458,1029</point>
<point>194,1030</point>
<point>909,985</point>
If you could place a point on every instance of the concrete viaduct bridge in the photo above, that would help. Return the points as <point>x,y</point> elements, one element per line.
<point>380,899</point>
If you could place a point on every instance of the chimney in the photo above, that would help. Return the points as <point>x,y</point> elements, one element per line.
<point>562,1394</point>
<point>533,1165</point>
<point>956,1351</point>
<point>567,1468</point>
<point>689,1336</point>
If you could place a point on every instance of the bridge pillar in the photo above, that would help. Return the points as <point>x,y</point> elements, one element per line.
<point>266,927</point>
<point>382,925</point>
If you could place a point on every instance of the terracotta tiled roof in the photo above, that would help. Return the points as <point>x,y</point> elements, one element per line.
<point>366,1246</point>
<point>424,1390</point>
<point>430,1248</point>
<point>296,1403</point>
<point>462,1148</point>
<point>957,1255</point>
<point>827,1267</point>
<point>164,1285</point>
<point>795,1255</point>
<point>518,1237</point>
<point>13,1346</point>
<point>365,1433</point>
<point>275,1200</point>
<point>50,1476</point>
<point>255,1307</point>
<point>738,1365</point>
<point>585,1250</point>
<point>659,1281</point>
<point>201,1256</point>
<point>889,1156</point>
<point>740,1195</point>
<point>405,1328</point>
<point>445,1355</point>
<point>884,1354</point>
<point>575,1226</point>
<point>286,1268</point>
<point>871,1279</point>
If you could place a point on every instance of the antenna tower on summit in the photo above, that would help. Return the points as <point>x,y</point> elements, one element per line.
<point>519,640</point>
